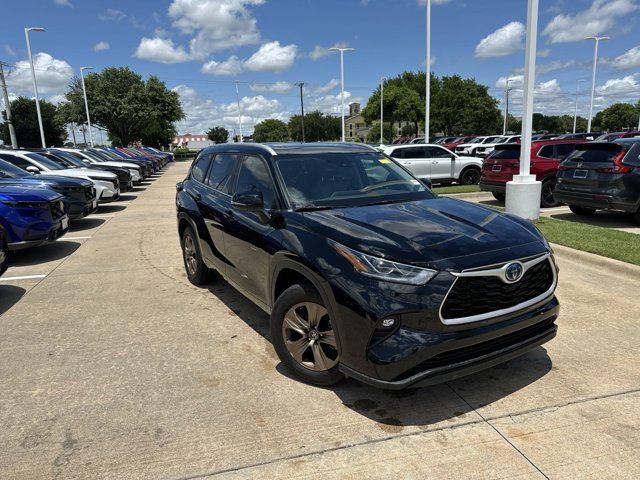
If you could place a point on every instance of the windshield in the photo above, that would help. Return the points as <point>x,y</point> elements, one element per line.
<point>490,139</point>
<point>347,179</point>
<point>92,155</point>
<point>8,170</point>
<point>477,140</point>
<point>71,157</point>
<point>99,154</point>
<point>46,162</point>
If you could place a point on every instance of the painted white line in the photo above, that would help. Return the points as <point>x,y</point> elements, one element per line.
<point>101,215</point>
<point>74,238</point>
<point>25,277</point>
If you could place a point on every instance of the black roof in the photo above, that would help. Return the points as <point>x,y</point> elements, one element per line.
<point>290,148</point>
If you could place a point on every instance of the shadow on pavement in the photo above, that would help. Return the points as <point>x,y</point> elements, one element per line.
<point>111,208</point>
<point>127,197</point>
<point>393,410</point>
<point>600,219</point>
<point>86,223</point>
<point>9,296</point>
<point>45,253</point>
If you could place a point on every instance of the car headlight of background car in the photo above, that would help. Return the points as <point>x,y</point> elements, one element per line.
<point>383,269</point>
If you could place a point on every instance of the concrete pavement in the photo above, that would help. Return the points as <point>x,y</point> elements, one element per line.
<point>114,366</point>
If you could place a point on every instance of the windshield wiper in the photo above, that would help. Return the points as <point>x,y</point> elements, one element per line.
<point>382,202</point>
<point>313,208</point>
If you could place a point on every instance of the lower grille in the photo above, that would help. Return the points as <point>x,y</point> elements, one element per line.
<point>471,296</point>
<point>57,210</point>
<point>89,193</point>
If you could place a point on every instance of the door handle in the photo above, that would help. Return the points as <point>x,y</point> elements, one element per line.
<point>197,195</point>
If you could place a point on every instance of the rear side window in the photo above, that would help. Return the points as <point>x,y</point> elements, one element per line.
<point>437,152</point>
<point>546,151</point>
<point>221,170</point>
<point>594,155</point>
<point>564,149</point>
<point>414,152</point>
<point>199,169</point>
<point>507,154</point>
<point>17,161</point>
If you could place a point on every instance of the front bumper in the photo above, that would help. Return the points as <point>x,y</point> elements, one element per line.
<point>35,239</point>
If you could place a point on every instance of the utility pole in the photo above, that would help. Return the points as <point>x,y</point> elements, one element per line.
<point>301,84</point>
<point>35,82</point>
<point>428,76</point>
<point>73,134</point>
<point>7,108</point>
<point>342,50</point>
<point>86,103</point>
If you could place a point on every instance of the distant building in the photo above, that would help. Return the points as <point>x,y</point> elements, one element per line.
<point>190,141</point>
<point>355,126</point>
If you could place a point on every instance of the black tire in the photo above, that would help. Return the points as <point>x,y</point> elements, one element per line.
<point>470,176</point>
<point>290,298</point>
<point>582,211</point>
<point>636,217</point>
<point>501,197</point>
<point>546,197</point>
<point>197,272</point>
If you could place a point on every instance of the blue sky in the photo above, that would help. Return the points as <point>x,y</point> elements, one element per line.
<point>199,47</point>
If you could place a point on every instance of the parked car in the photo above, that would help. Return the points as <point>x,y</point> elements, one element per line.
<point>3,251</point>
<point>168,155</point>
<point>601,176</point>
<point>131,156</point>
<point>578,136</point>
<point>544,136</point>
<point>471,147</point>
<point>610,137</point>
<point>90,158</point>
<point>146,165</point>
<point>78,195</point>
<point>451,145</point>
<point>31,216</point>
<point>504,162</point>
<point>436,163</point>
<point>486,148</point>
<point>364,271</point>
<point>105,183</point>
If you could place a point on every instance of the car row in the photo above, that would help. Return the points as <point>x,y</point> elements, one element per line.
<point>43,190</point>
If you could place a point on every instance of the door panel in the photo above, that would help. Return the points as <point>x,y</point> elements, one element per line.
<point>414,159</point>
<point>441,163</point>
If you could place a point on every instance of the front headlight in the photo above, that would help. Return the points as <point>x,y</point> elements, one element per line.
<point>382,269</point>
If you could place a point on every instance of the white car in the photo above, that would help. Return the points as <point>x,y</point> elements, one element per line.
<point>106,183</point>
<point>436,163</point>
<point>486,148</point>
<point>89,158</point>
<point>471,147</point>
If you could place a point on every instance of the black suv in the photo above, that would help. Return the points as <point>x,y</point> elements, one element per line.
<point>601,176</point>
<point>364,271</point>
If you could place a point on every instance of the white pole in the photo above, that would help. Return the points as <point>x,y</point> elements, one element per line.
<point>506,106</point>
<point>86,103</point>
<point>342,50</point>
<point>382,110</point>
<point>35,83</point>
<point>241,140</point>
<point>523,192</point>
<point>575,114</point>
<point>593,78</point>
<point>428,76</point>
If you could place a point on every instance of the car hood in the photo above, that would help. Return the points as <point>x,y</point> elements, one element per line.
<point>424,232</point>
<point>45,180</point>
<point>30,193</point>
<point>119,164</point>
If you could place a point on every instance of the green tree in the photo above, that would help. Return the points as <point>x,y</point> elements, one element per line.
<point>128,107</point>
<point>25,121</point>
<point>373,136</point>
<point>318,127</point>
<point>619,116</point>
<point>218,135</point>
<point>271,130</point>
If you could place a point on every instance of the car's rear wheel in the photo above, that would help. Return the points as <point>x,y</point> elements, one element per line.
<point>546,197</point>
<point>197,272</point>
<point>303,336</point>
<point>499,196</point>
<point>582,211</point>
<point>470,176</point>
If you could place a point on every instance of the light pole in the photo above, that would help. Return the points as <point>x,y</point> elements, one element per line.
<point>575,113</point>
<point>382,110</point>
<point>241,139</point>
<point>35,83</point>
<point>86,103</point>
<point>342,50</point>
<point>301,85</point>
<point>593,79</point>
<point>427,103</point>
<point>506,105</point>
<point>523,192</point>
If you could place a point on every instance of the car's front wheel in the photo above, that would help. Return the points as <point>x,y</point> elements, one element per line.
<point>582,211</point>
<point>197,272</point>
<point>303,336</point>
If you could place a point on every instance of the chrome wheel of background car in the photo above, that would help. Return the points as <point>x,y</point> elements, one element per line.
<point>309,337</point>
<point>470,177</point>
<point>190,254</point>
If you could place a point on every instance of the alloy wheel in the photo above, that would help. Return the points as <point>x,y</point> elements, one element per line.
<point>547,193</point>
<point>309,336</point>
<point>190,254</point>
<point>471,177</point>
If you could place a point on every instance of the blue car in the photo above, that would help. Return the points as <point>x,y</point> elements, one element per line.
<point>79,195</point>
<point>31,216</point>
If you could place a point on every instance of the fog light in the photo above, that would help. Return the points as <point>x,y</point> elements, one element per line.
<point>388,322</point>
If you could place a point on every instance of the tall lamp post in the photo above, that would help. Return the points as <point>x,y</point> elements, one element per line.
<point>342,50</point>
<point>382,110</point>
<point>506,105</point>
<point>241,139</point>
<point>593,79</point>
<point>35,83</point>
<point>86,103</point>
<point>427,95</point>
<point>523,192</point>
<point>575,112</point>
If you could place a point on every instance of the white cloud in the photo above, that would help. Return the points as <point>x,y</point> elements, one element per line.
<point>217,24</point>
<point>53,75</point>
<point>63,3</point>
<point>621,88</point>
<point>101,47</point>
<point>516,81</point>
<point>277,87</point>
<point>320,52</point>
<point>544,53</point>
<point>327,87</point>
<point>112,14</point>
<point>629,59</point>
<point>504,41</point>
<point>231,66</point>
<point>161,50</point>
<point>271,57</point>
<point>9,51</point>
<point>598,19</point>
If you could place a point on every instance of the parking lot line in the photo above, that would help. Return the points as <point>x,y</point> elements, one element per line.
<point>25,277</point>
<point>74,238</point>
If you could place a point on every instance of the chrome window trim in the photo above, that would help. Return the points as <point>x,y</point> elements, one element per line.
<point>499,272</point>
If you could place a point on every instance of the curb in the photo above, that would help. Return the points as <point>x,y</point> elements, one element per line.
<point>597,261</point>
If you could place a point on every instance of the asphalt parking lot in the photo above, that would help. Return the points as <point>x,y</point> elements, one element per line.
<point>114,366</point>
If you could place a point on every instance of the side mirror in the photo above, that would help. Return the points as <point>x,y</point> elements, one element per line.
<point>250,201</point>
<point>179,186</point>
<point>33,169</point>
<point>85,160</point>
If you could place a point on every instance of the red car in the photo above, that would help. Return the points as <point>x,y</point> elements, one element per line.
<point>458,141</point>
<point>504,162</point>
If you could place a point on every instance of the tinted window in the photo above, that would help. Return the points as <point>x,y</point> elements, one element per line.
<point>508,154</point>
<point>50,164</point>
<point>200,168</point>
<point>220,172</point>
<point>8,170</point>
<point>594,155</point>
<point>413,152</point>
<point>397,153</point>
<point>564,149</point>
<point>254,177</point>
<point>546,151</point>
<point>17,161</point>
<point>435,152</point>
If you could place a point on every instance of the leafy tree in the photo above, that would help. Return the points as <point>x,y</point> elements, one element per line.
<point>127,106</point>
<point>318,127</point>
<point>619,116</point>
<point>25,121</point>
<point>373,136</point>
<point>271,130</point>
<point>218,134</point>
